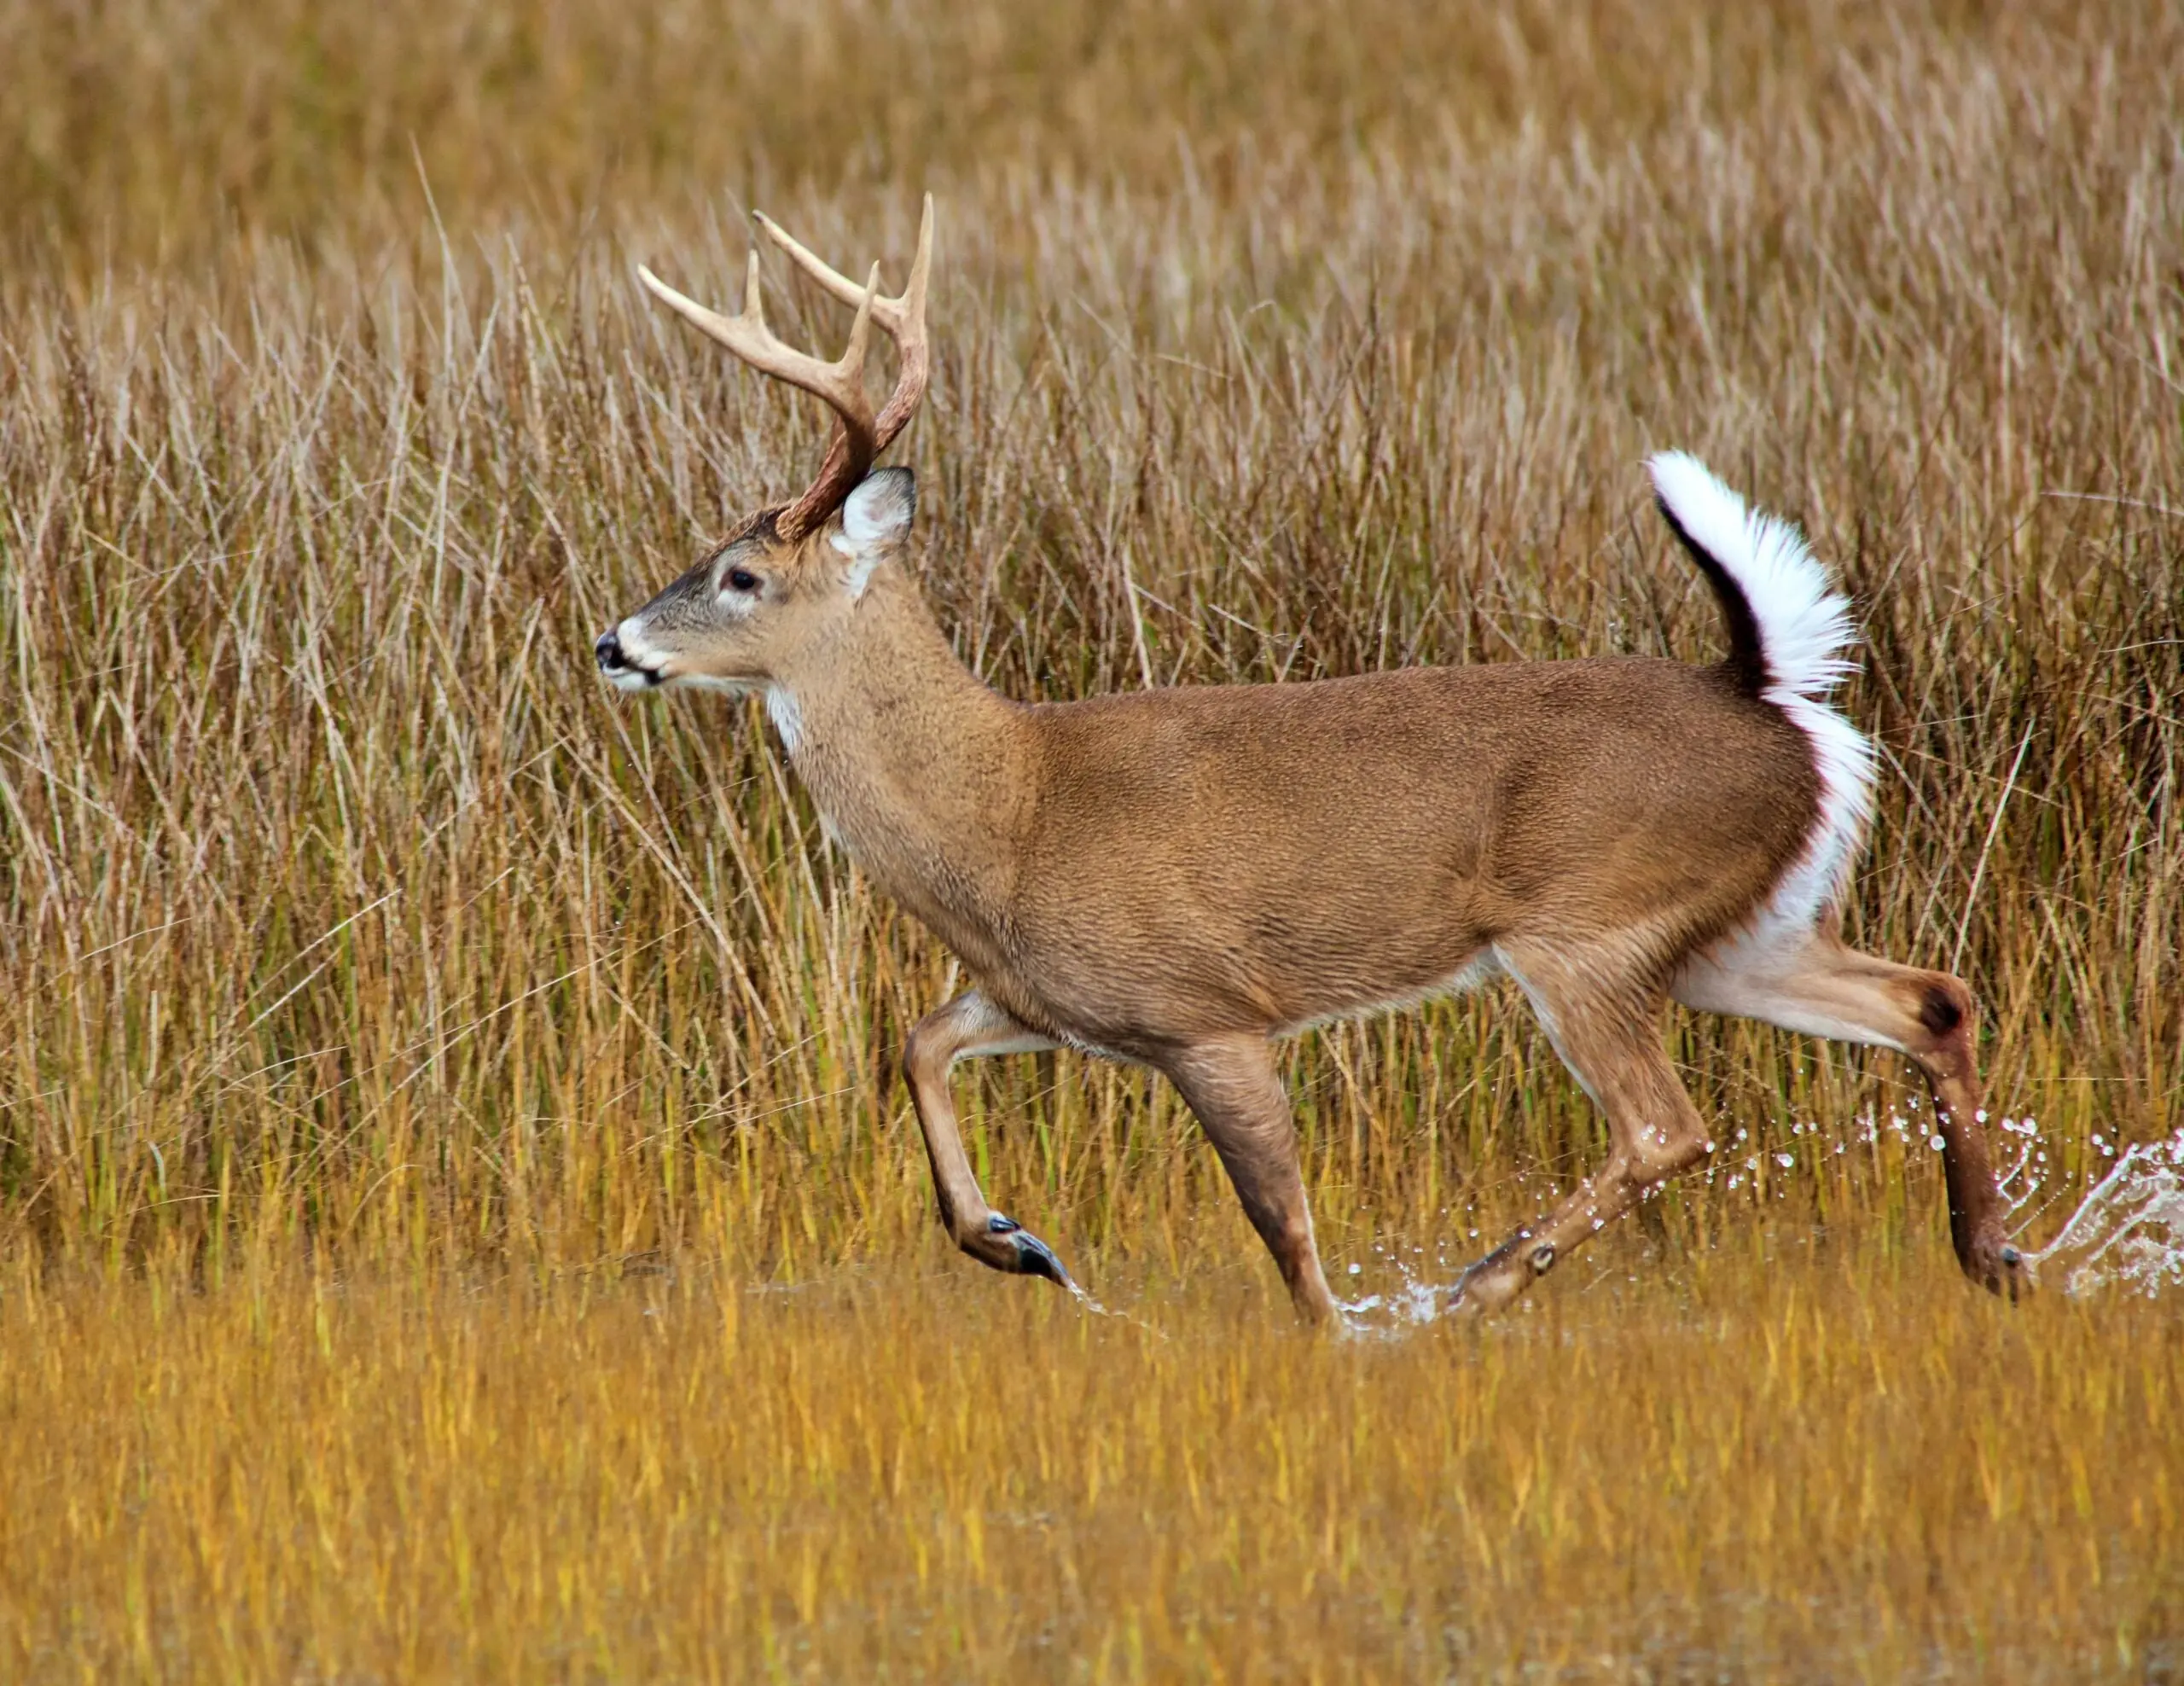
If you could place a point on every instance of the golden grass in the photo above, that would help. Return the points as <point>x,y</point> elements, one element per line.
<point>1857,1472</point>
<point>377,993</point>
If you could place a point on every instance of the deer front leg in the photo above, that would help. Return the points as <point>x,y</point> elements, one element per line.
<point>970,1025</point>
<point>1232,1086</point>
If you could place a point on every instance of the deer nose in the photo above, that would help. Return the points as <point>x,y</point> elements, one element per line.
<point>608,649</point>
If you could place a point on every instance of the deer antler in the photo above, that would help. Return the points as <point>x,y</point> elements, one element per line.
<point>902,317</point>
<point>859,436</point>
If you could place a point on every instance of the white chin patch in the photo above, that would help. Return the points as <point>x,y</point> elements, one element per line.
<point>630,679</point>
<point>787,718</point>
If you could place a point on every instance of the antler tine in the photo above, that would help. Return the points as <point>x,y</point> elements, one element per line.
<point>911,347</point>
<point>856,441</point>
<point>840,384</point>
<point>754,297</point>
<point>902,316</point>
<point>751,341</point>
<point>832,279</point>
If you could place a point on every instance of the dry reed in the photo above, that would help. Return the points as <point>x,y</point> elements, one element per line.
<point>377,993</point>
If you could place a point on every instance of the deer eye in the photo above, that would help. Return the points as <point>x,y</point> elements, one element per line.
<point>742,580</point>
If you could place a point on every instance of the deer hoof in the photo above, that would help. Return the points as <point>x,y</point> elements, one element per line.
<point>2001,1269</point>
<point>1542,1259</point>
<point>1489,1283</point>
<point>1034,1257</point>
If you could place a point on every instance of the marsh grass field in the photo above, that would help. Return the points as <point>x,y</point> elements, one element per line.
<point>459,1219</point>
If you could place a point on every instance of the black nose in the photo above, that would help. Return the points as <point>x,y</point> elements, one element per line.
<point>608,649</point>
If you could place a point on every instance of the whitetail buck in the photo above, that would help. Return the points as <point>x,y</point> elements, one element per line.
<point>1179,877</point>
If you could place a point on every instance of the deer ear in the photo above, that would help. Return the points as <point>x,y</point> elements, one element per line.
<point>878,513</point>
<point>875,519</point>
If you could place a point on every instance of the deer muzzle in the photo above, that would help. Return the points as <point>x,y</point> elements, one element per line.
<point>619,666</point>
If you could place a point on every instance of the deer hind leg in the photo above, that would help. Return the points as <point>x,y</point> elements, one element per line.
<point>1234,1089</point>
<point>1815,985</point>
<point>966,1025</point>
<point>1608,1034</point>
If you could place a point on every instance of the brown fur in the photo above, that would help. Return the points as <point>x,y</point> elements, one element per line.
<point>1176,877</point>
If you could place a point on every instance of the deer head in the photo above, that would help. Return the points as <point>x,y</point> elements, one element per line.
<point>783,574</point>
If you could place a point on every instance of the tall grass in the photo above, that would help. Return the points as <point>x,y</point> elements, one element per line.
<point>341,903</point>
<point>352,934</point>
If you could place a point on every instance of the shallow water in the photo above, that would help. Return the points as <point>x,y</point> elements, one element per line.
<point>2128,1233</point>
<point>1841,1464</point>
<point>2125,1234</point>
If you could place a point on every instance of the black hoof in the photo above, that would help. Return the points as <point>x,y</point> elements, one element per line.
<point>2009,1277</point>
<point>1460,1296</point>
<point>1034,1257</point>
<point>1488,1264</point>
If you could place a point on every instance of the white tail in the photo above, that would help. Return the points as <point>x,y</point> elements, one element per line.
<point>1804,630</point>
<point>1178,877</point>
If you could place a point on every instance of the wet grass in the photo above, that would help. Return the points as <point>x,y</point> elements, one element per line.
<point>457,1212</point>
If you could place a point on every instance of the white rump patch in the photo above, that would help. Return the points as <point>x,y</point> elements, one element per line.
<point>1805,628</point>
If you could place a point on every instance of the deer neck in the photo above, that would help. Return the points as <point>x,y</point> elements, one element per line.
<point>918,768</point>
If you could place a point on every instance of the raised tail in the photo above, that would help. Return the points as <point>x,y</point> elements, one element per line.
<point>1787,628</point>
<point>1789,634</point>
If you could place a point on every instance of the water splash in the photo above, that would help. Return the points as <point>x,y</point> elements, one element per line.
<point>1411,1305</point>
<point>2128,1230</point>
<point>1086,1303</point>
<point>1420,1294</point>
